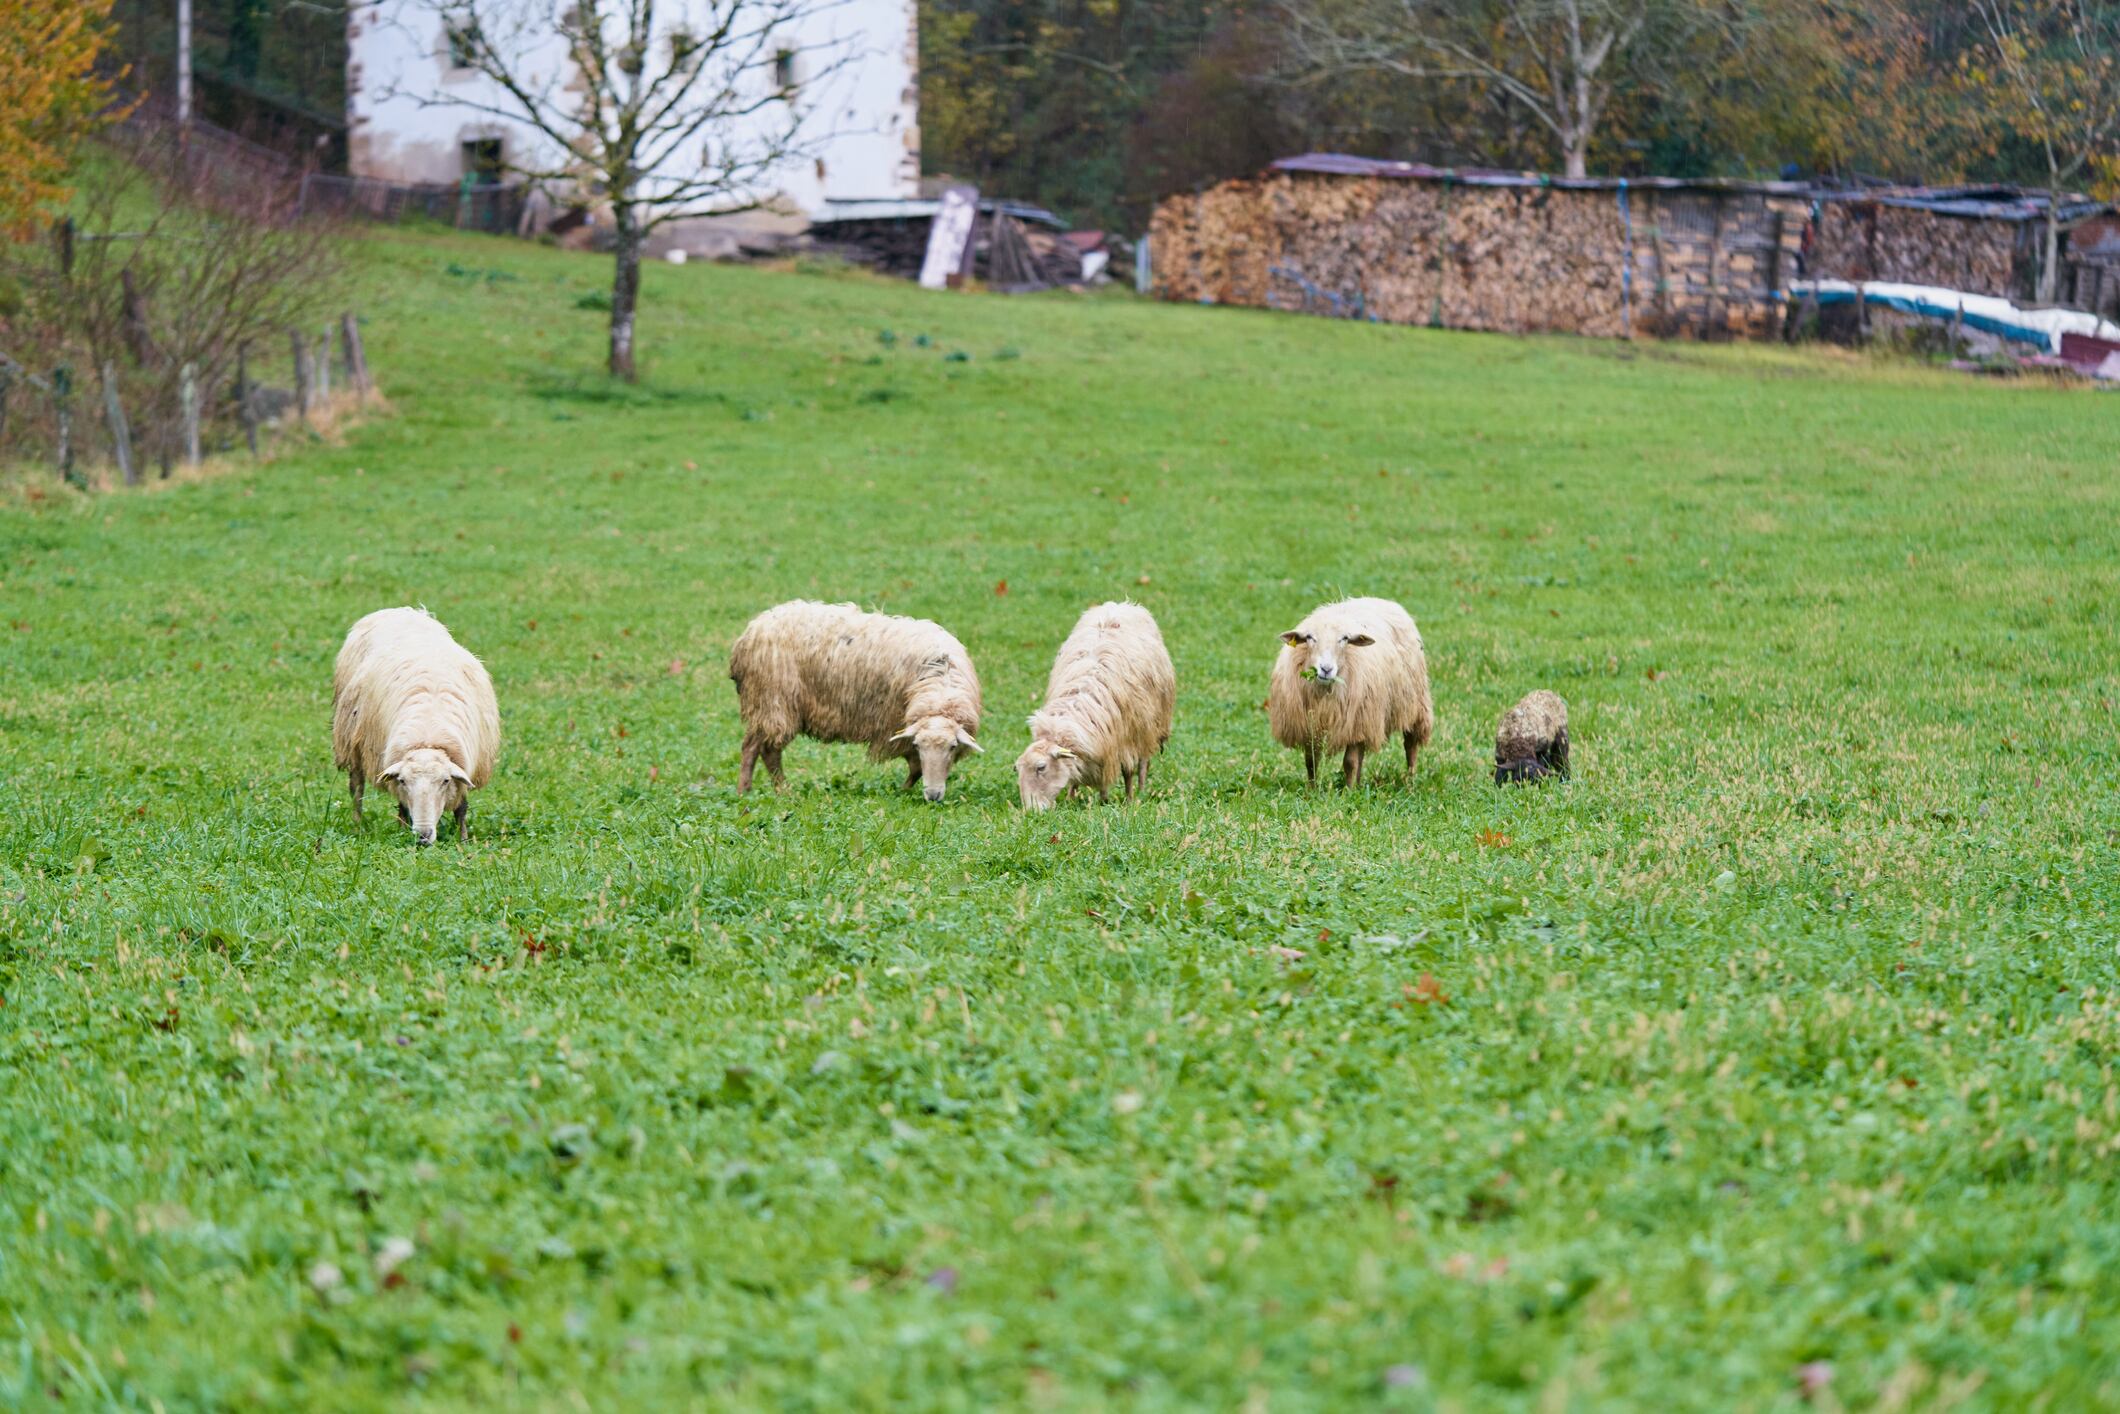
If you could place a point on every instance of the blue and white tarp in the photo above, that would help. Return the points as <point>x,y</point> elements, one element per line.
<point>1988,313</point>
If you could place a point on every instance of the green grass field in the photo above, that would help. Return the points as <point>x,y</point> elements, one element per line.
<point>1782,1037</point>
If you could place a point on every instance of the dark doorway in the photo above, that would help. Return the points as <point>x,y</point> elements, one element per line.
<point>482,160</point>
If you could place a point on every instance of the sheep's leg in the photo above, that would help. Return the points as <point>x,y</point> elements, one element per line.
<point>1141,775</point>
<point>780,778</point>
<point>912,772</point>
<point>1351,768</point>
<point>750,764</point>
<point>1132,775</point>
<point>1560,753</point>
<point>463,814</point>
<point>1310,763</point>
<point>1413,750</point>
<point>357,782</point>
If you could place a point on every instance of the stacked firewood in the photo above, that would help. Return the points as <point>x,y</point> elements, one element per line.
<point>1519,258</point>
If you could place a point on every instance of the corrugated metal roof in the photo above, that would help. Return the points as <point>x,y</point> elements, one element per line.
<point>1990,203</point>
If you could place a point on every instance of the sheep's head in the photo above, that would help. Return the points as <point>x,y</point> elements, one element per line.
<point>1044,770</point>
<point>427,784</point>
<point>936,743</point>
<point>1523,768</point>
<point>1321,652</point>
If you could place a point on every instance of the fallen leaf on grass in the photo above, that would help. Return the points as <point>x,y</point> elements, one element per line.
<point>1814,1377</point>
<point>1428,991</point>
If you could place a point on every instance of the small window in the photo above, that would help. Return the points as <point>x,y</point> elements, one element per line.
<point>463,43</point>
<point>784,70</point>
<point>482,160</point>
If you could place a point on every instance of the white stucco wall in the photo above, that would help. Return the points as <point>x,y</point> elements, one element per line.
<point>862,135</point>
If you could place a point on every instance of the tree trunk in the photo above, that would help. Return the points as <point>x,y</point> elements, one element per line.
<point>1578,158</point>
<point>625,294</point>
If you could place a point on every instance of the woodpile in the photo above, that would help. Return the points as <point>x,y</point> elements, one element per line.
<point>1699,261</point>
<point>1520,259</point>
<point>1868,240</point>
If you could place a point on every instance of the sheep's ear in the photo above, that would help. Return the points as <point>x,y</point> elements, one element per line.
<point>458,773</point>
<point>1062,753</point>
<point>906,735</point>
<point>1359,640</point>
<point>393,773</point>
<point>1295,636</point>
<point>964,739</point>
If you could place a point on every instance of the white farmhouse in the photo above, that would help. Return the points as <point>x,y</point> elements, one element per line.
<point>417,115</point>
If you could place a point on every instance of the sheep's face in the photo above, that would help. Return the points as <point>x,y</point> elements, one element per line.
<point>427,784</point>
<point>936,743</point>
<point>1044,771</point>
<point>1523,768</point>
<point>1322,656</point>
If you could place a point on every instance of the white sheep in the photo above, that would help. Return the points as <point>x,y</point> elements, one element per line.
<point>1349,678</point>
<point>903,687</point>
<point>1107,708</point>
<point>414,712</point>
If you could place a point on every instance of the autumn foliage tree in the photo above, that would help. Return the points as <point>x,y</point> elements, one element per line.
<point>50,97</point>
<point>2049,73</point>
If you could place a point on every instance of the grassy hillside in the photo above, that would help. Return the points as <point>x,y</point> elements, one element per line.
<point>1775,1048</point>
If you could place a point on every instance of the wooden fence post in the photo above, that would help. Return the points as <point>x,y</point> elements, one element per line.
<point>1718,268</point>
<point>246,402</point>
<point>120,434</point>
<point>188,405</point>
<point>7,385</point>
<point>356,356</point>
<point>303,387</point>
<point>323,369</point>
<point>63,407</point>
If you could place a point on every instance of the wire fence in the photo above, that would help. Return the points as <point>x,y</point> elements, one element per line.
<point>496,207</point>
<point>215,156</point>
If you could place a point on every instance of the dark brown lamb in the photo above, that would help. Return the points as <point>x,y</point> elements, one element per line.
<point>1532,739</point>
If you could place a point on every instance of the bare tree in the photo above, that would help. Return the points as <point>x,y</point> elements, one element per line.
<point>166,266</point>
<point>663,111</point>
<point>1555,60</point>
<point>2052,81</point>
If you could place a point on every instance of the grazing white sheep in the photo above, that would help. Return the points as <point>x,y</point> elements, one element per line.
<point>411,710</point>
<point>1349,678</point>
<point>1532,739</point>
<point>1107,708</point>
<point>903,687</point>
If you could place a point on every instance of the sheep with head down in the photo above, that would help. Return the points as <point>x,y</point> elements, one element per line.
<point>1349,678</point>
<point>1532,740</point>
<point>1107,708</point>
<point>414,712</point>
<point>905,688</point>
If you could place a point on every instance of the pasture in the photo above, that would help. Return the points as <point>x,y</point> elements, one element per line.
<point>1771,1058</point>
